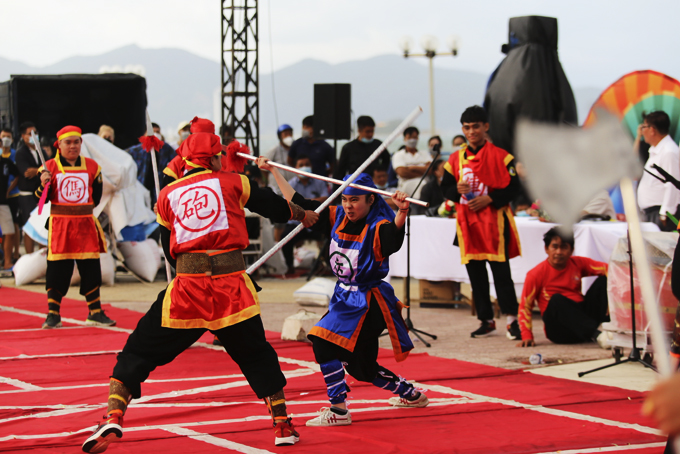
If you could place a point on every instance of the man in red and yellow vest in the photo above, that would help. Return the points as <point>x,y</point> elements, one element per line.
<point>73,232</point>
<point>481,179</point>
<point>203,231</point>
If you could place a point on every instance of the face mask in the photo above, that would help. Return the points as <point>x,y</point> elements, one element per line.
<point>306,134</point>
<point>287,141</point>
<point>365,140</point>
<point>158,135</point>
<point>31,141</point>
<point>307,169</point>
<point>411,143</point>
<point>381,186</point>
<point>184,134</point>
<point>6,142</point>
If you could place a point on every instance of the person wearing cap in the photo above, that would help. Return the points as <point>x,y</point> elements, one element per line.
<point>279,154</point>
<point>364,232</point>
<point>318,151</point>
<point>74,233</point>
<point>203,233</point>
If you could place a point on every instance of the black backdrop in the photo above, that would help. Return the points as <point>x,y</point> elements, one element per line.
<point>529,82</point>
<point>83,100</point>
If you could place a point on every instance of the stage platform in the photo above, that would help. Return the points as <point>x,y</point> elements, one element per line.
<point>54,386</point>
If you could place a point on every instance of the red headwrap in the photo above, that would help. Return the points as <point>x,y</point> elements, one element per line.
<point>66,131</point>
<point>232,162</point>
<point>202,125</point>
<point>201,145</point>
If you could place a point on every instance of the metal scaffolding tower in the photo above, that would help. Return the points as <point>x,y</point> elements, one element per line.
<point>240,74</point>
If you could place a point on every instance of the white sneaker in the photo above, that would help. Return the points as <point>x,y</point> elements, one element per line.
<point>603,339</point>
<point>421,401</point>
<point>328,418</point>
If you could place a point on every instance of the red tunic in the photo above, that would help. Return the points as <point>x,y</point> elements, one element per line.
<point>544,281</point>
<point>204,213</point>
<point>480,234</point>
<point>74,236</point>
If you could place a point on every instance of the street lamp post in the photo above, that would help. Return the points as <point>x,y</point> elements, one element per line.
<point>429,43</point>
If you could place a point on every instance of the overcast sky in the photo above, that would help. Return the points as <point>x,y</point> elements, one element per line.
<point>599,40</point>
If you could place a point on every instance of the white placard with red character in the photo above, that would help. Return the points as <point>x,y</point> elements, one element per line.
<point>72,187</point>
<point>199,210</point>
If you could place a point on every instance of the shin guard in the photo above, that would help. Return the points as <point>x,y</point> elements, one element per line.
<point>334,376</point>
<point>390,381</point>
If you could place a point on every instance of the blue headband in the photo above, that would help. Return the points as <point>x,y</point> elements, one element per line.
<point>364,180</point>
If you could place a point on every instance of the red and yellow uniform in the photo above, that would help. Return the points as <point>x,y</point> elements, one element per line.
<point>481,233</point>
<point>544,281</point>
<point>205,213</point>
<point>71,211</point>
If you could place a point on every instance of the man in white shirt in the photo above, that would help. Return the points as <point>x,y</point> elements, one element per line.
<point>655,198</point>
<point>410,164</point>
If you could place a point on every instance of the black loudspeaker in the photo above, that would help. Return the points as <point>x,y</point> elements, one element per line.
<point>333,111</point>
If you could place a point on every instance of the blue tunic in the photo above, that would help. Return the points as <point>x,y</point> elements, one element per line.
<point>358,263</point>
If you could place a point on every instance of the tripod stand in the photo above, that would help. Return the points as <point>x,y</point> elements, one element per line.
<point>634,356</point>
<point>407,280</point>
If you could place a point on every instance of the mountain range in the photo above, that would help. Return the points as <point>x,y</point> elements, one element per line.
<point>181,85</point>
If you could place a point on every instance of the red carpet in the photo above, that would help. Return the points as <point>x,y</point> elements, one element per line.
<point>54,386</point>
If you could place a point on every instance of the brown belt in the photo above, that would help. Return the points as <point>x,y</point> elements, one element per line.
<point>210,265</point>
<point>71,210</point>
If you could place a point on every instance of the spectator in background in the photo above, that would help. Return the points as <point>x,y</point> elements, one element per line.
<point>7,139</point>
<point>434,140</point>
<point>310,189</point>
<point>183,131</point>
<point>46,145</point>
<point>380,180</point>
<point>106,132</point>
<point>145,168</point>
<point>226,134</point>
<point>28,164</point>
<point>555,286</point>
<point>655,198</point>
<point>432,191</point>
<point>157,131</point>
<point>279,154</point>
<point>7,169</point>
<point>355,152</point>
<point>410,164</point>
<point>457,141</point>
<point>319,152</point>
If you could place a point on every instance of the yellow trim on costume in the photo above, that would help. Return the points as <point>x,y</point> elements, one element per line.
<point>170,173</point>
<point>507,159</point>
<point>53,301</point>
<point>190,176</point>
<point>162,222</point>
<point>57,159</point>
<point>69,134</point>
<point>94,301</point>
<point>448,168</point>
<point>245,314</point>
<point>53,312</point>
<point>245,194</point>
<point>196,166</point>
<point>278,402</point>
<point>118,397</point>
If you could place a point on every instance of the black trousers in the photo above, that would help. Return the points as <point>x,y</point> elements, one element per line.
<point>568,322</point>
<point>502,280</point>
<point>151,345</point>
<point>362,363</point>
<point>288,248</point>
<point>59,273</point>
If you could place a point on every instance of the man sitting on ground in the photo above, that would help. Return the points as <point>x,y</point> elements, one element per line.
<point>555,285</point>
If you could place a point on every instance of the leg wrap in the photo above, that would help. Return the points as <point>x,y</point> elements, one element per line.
<point>119,397</point>
<point>392,382</point>
<point>334,375</point>
<point>276,404</point>
<point>54,297</point>
<point>93,301</point>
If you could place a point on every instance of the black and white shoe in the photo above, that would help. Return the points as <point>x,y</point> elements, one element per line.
<point>52,321</point>
<point>485,329</point>
<point>99,319</point>
<point>513,332</point>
